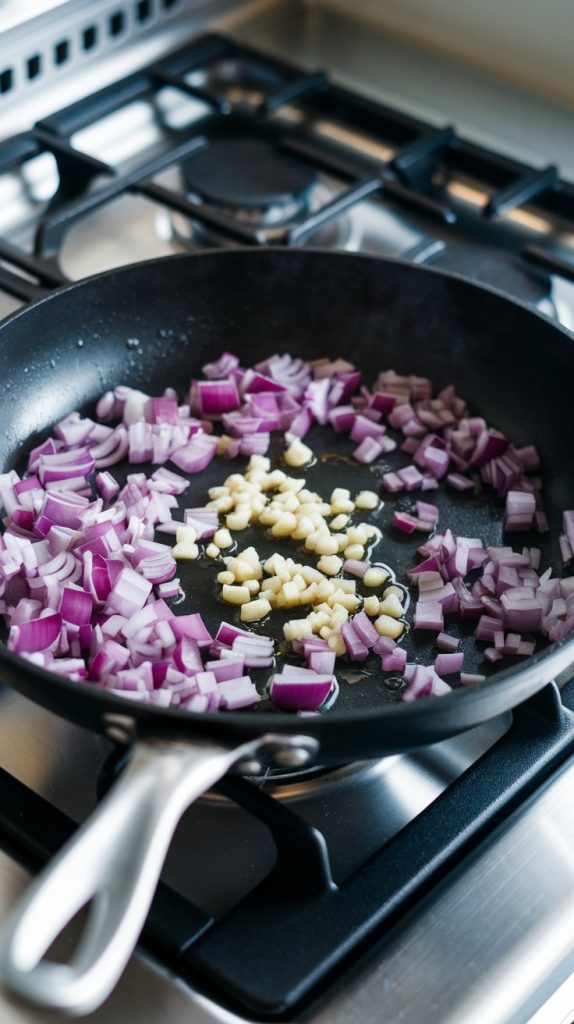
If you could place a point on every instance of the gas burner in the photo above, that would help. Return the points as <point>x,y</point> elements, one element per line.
<point>249,178</point>
<point>262,189</point>
<point>238,81</point>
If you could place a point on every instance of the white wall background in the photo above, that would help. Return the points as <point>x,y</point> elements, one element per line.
<point>528,42</point>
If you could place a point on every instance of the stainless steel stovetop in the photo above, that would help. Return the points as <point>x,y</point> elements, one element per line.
<point>493,941</point>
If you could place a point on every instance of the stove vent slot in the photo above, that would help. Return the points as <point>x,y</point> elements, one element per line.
<point>58,49</point>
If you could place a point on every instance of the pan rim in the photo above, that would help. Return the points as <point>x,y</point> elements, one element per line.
<point>553,659</point>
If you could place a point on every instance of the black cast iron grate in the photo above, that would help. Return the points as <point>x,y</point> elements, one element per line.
<point>298,927</point>
<point>288,104</point>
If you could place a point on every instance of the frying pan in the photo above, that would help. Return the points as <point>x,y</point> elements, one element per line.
<point>153,325</point>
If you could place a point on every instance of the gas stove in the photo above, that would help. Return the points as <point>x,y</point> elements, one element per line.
<point>435,886</point>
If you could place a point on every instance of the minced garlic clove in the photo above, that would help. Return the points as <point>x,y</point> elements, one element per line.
<point>375,577</point>
<point>366,500</point>
<point>255,610</point>
<point>298,454</point>
<point>391,606</point>
<point>387,626</point>
<point>235,594</point>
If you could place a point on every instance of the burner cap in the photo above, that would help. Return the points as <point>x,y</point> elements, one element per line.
<point>499,269</point>
<point>246,173</point>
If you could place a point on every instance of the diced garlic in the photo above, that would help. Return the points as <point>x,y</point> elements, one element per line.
<point>387,626</point>
<point>250,555</point>
<point>371,605</point>
<point>223,538</point>
<point>318,620</point>
<point>222,504</point>
<point>303,529</point>
<point>340,493</point>
<point>342,506</point>
<point>391,606</point>
<point>326,545</point>
<point>339,617</point>
<point>291,593</point>
<point>291,483</point>
<point>339,522</point>
<point>273,584</point>
<point>358,534</point>
<point>298,454</point>
<point>285,525</point>
<point>347,586</point>
<point>337,644</point>
<point>308,596</point>
<point>187,552</point>
<point>185,535</point>
<point>330,564</point>
<point>276,478</point>
<point>237,520</point>
<point>244,570</point>
<point>235,595</point>
<point>311,575</point>
<point>259,462</point>
<point>212,551</point>
<point>375,577</point>
<point>296,629</point>
<point>324,590</point>
<point>366,499</point>
<point>354,552</point>
<point>225,577</point>
<point>348,601</point>
<point>255,610</point>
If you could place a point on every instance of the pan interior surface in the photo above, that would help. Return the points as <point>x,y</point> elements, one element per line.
<point>156,324</point>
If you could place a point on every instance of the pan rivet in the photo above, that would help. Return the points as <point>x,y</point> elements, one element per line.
<point>250,767</point>
<point>119,728</point>
<point>292,757</point>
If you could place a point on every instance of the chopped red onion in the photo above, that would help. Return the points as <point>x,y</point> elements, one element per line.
<point>470,678</point>
<point>238,693</point>
<point>62,550</point>
<point>410,477</point>
<point>364,427</point>
<point>408,524</point>
<point>302,691</point>
<point>364,629</point>
<point>436,461</point>
<point>227,668</point>
<point>395,661</point>
<point>322,662</point>
<point>384,645</point>
<point>446,664</point>
<point>356,648</point>
<point>459,482</point>
<point>447,642</point>
<point>429,615</point>
<point>355,568</point>
<point>197,454</point>
<point>393,483</point>
<point>420,684</point>
<point>369,449</point>
<point>37,635</point>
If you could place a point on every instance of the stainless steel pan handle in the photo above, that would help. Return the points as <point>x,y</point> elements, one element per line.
<point>114,860</point>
